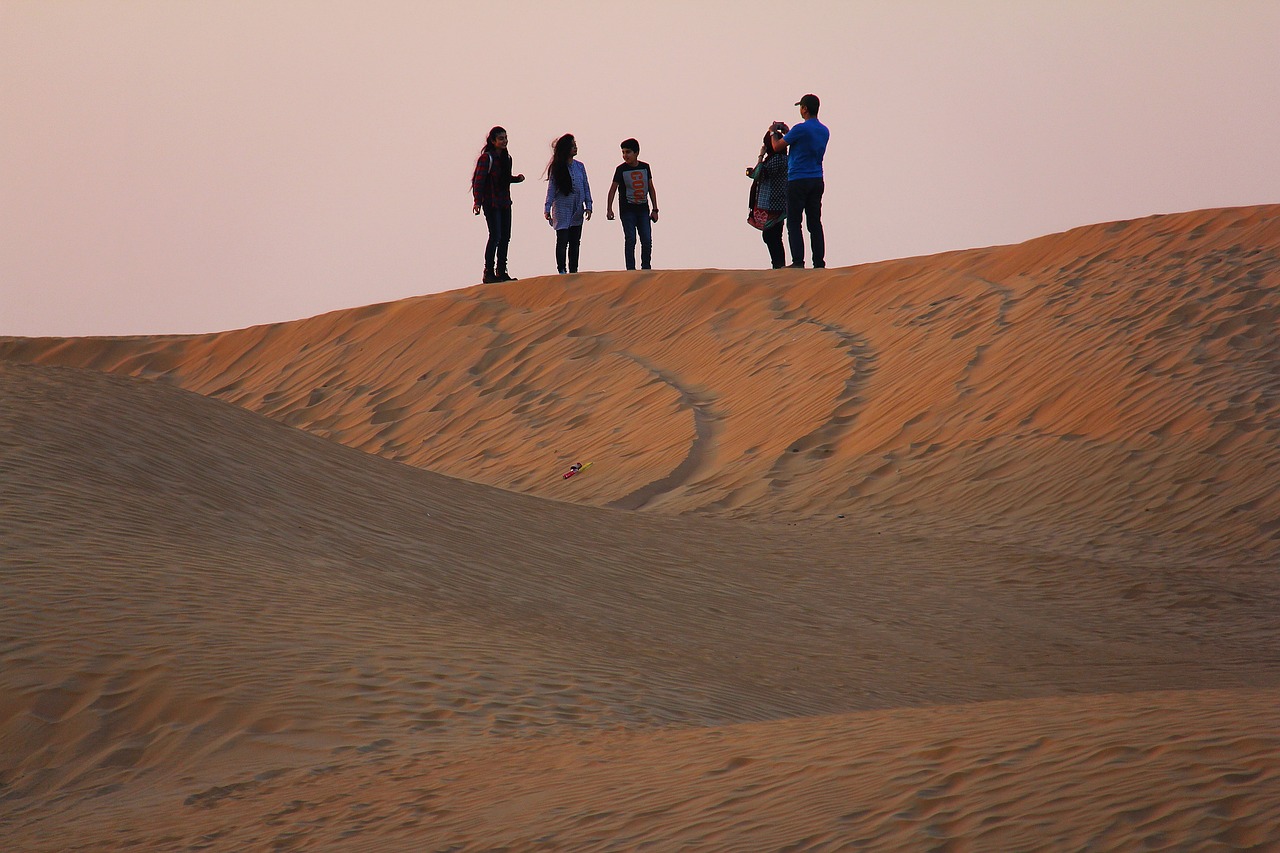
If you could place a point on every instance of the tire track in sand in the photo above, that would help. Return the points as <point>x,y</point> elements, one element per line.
<point>706,430</point>
<point>820,442</point>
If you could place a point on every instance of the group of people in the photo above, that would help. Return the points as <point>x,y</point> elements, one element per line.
<point>787,186</point>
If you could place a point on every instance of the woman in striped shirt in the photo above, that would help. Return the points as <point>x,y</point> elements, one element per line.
<point>568,199</point>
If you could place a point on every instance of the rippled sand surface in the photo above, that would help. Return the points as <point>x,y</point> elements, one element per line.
<point>970,552</point>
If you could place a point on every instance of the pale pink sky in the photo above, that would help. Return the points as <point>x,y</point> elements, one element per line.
<point>199,166</point>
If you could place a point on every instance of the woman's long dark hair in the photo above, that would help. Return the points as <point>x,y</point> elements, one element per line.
<point>558,167</point>
<point>489,147</point>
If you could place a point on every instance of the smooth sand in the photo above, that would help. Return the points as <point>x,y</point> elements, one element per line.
<point>975,551</point>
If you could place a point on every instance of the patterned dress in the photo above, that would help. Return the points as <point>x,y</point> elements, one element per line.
<point>773,182</point>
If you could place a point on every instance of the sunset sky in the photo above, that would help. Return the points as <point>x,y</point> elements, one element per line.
<point>173,167</point>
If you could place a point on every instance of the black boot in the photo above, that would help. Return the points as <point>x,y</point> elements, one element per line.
<point>490,278</point>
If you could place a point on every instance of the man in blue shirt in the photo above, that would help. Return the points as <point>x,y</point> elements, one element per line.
<point>808,141</point>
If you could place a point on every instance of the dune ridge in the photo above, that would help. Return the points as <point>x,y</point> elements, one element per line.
<point>974,551</point>
<point>1047,392</point>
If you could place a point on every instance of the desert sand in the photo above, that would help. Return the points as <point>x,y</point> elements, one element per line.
<point>976,551</point>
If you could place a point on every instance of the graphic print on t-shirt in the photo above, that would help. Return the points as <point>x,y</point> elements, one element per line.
<point>634,183</point>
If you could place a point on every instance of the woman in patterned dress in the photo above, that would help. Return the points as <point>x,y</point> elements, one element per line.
<point>769,195</point>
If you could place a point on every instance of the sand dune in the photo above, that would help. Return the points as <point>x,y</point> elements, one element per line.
<point>975,551</point>
<point>1045,393</point>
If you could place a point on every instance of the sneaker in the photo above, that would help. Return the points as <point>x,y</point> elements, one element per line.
<point>798,265</point>
<point>502,276</point>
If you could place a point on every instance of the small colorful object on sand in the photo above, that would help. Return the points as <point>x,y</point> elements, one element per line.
<point>575,468</point>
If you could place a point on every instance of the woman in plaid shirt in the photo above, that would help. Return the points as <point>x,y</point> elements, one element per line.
<point>491,191</point>
<point>568,197</point>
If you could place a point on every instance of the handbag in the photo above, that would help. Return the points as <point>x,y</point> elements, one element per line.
<point>760,219</point>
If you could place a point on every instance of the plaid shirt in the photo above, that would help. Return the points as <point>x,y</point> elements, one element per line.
<point>491,182</point>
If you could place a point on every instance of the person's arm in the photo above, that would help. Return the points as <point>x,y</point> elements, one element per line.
<point>551,194</point>
<point>586,191</point>
<point>764,153</point>
<point>613,191</point>
<point>783,135</point>
<point>477,182</point>
<point>653,195</point>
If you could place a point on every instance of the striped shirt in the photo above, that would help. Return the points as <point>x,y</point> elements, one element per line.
<point>566,210</point>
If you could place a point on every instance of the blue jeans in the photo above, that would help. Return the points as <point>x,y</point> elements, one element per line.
<point>636,221</point>
<point>495,251</point>
<point>804,197</point>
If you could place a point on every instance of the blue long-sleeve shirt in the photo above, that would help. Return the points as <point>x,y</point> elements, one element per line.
<point>566,210</point>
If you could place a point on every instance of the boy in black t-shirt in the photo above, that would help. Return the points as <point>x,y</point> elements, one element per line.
<point>635,180</point>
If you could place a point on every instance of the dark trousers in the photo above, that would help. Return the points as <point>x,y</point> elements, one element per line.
<point>635,221</point>
<point>804,198</point>
<point>773,239</point>
<point>499,221</point>
<point>568,241</point>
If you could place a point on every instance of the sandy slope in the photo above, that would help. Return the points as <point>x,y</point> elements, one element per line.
<point>1107,388</point>
<point>966,552</point>
<point>218,628</point>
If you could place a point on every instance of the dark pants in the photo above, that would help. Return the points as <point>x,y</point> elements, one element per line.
<point>568,241</point>
<point>773,239</point>
<point>499,221</point>
<point>636,221</point>
<point>804,198</point>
